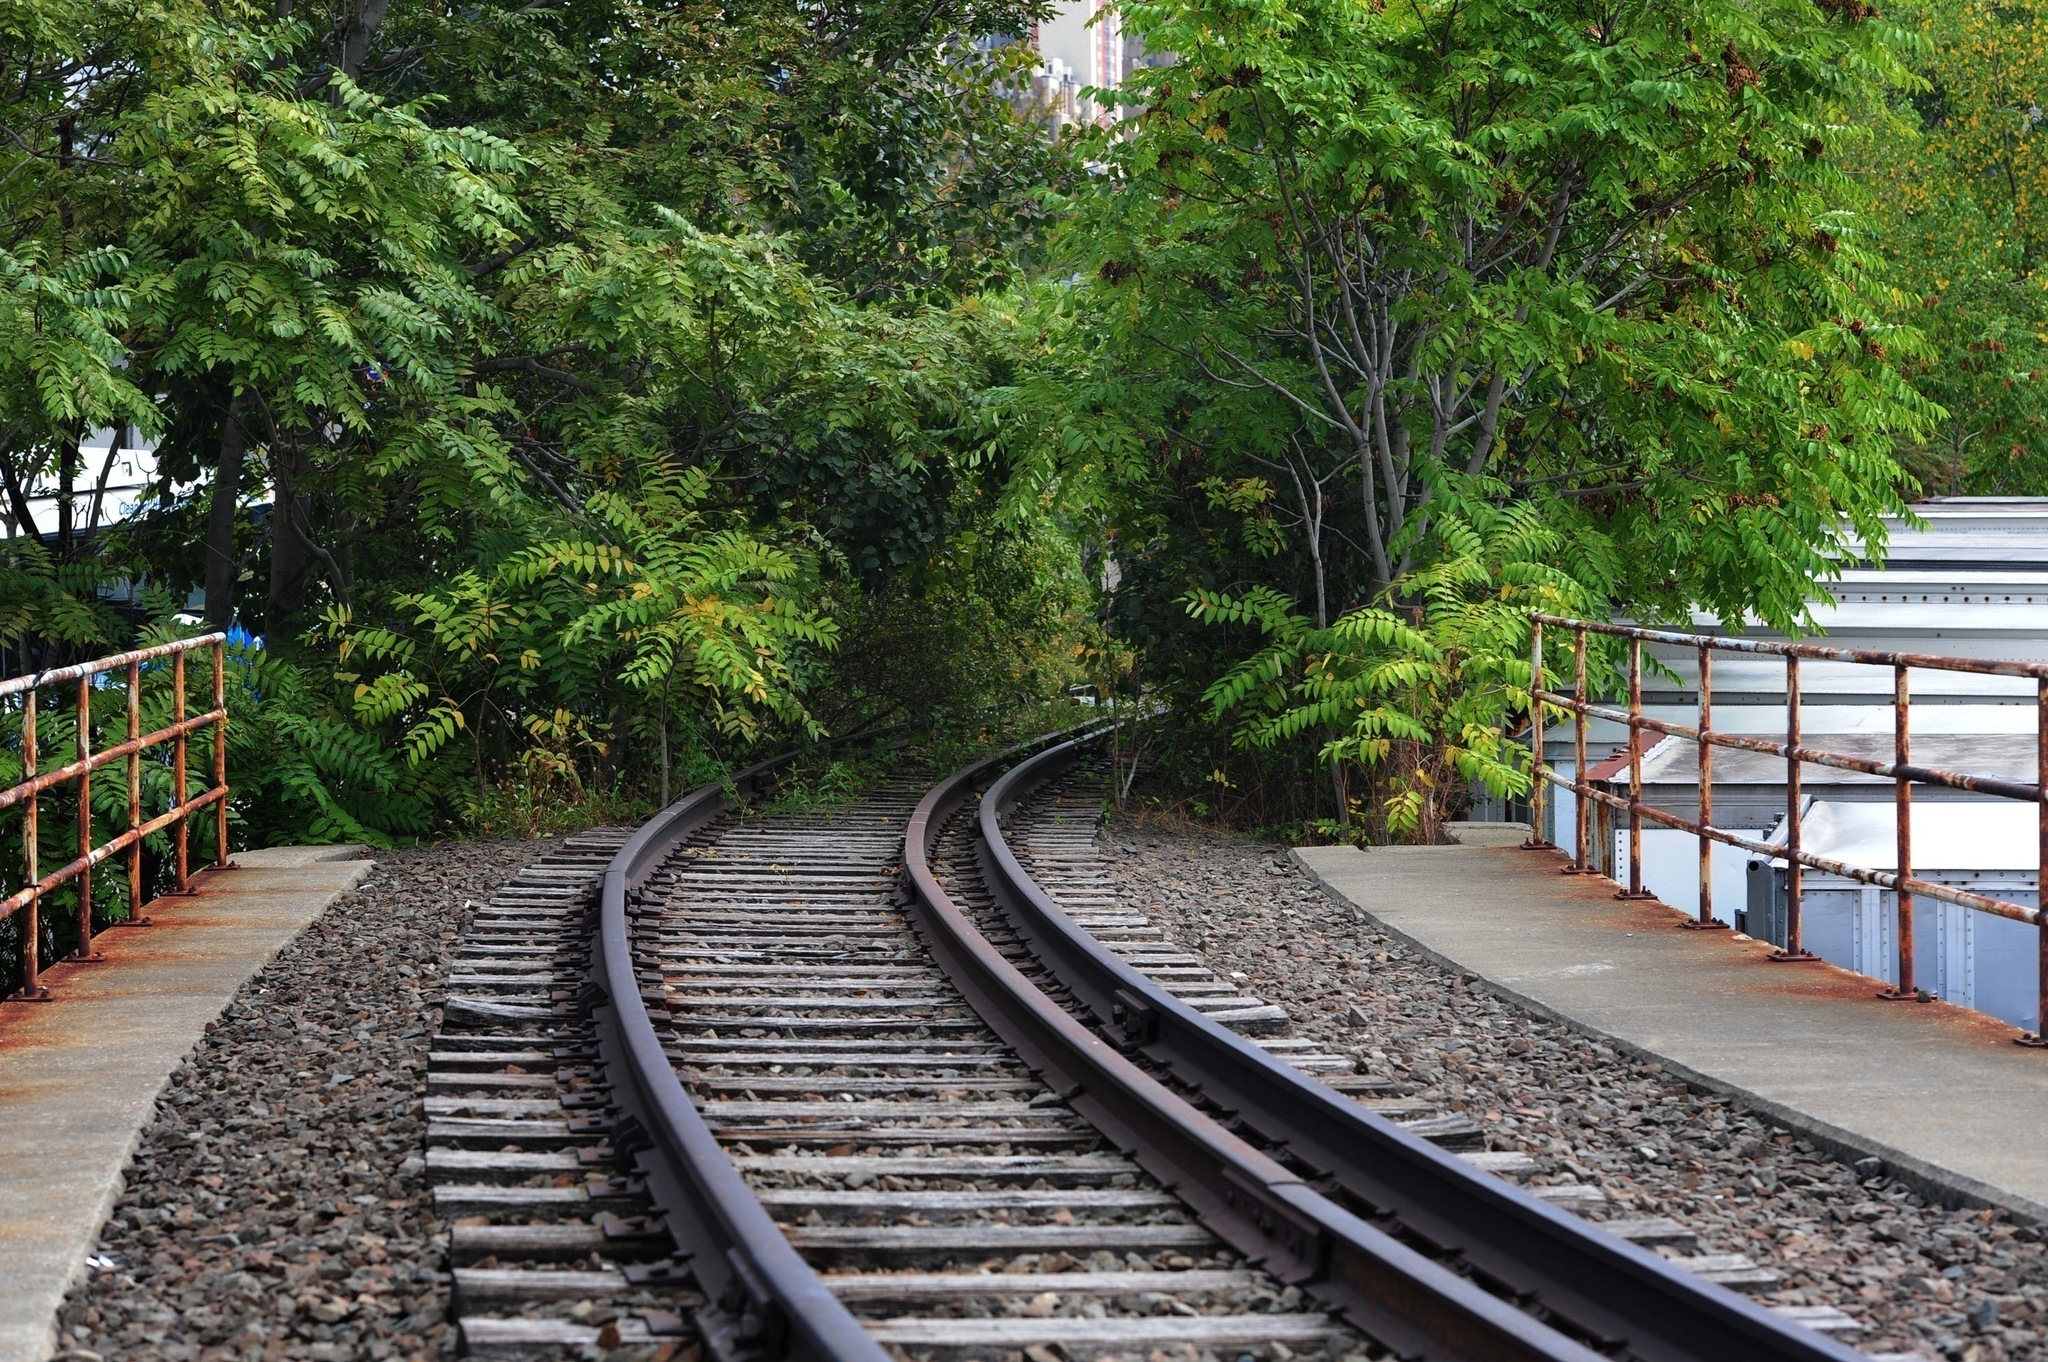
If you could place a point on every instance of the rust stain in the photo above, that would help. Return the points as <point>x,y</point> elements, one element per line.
<point>1593,896</point>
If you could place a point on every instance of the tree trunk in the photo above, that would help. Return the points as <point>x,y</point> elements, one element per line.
<point>222,567</point>
<point>359,32</point>
<point>665,681</point>
<point>290,509</point>
<point>67,482</point>
<point>21,519</point>
<point>99,490</point>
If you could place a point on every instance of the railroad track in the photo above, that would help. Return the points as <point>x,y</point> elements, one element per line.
<point>854,1086</point>
<point>1054,841</point>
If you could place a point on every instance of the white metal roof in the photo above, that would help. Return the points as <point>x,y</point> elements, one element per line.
<point>1974,533</point>
<point>1956,836</point>
<point>1972,581</point>
<point>1675,761</point>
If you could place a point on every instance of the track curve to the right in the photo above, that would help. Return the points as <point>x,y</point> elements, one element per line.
<point>1592,1289</point>
<point>881,1116</point>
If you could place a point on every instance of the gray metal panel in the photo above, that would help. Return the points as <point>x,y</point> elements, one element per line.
<point>1967,958</point>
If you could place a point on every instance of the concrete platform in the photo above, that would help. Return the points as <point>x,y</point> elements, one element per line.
<point>79,1075</point>
<point>1940,1093</point>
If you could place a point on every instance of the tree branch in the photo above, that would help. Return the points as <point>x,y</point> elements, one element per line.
<point>531,364</point>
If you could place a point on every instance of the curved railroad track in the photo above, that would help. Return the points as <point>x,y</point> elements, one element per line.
<point>904,1081</point>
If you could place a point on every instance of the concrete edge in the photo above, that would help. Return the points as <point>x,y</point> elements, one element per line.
<point>1944,1186</point>
<point>298,857</point>
<point>80,1273</point>
<point>50,1343</point>
<point>355,872</point>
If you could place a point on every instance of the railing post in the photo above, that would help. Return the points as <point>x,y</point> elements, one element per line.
<point>220,754</point>
<point>1635,772</point>
<point>1906,989</point>
<point>1794,949</point>
<point>135,917</point>
<point>178,745</point>
<point>82,749</point>
<point>1538,795</point>
<point>32,915</point>
<point>2038,1038</point>
<point>1582,813</point>
<point>1706,919</point>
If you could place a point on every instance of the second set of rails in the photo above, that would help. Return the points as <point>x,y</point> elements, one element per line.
<point>904,1080</point>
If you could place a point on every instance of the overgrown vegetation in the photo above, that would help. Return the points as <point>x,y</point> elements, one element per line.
<point>569,408</point>
<point>578,400</point>
<point>1404,319</point>
<point>1959,194</point>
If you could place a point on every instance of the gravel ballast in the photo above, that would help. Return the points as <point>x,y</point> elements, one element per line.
<point>277,1205</point>
<point>1963,1284</point>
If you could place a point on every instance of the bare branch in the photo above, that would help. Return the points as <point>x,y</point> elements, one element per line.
<point>531,364</point>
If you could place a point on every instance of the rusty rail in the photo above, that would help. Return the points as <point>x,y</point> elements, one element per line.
<point>1583,1285</point>
<point>1411,1301</point>
<point>1901,770</point>
<point>26,793</point>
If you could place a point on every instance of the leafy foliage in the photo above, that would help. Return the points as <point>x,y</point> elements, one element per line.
<point>1411,696</point>
<point>539,383</point>
<point>1962,206</point>
<point>1368,279</point>
<point>1586,253</point>
<point>576,396</point>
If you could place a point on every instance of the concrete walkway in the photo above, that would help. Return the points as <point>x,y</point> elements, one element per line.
<point>79,1076</point>
<point>1940,1093</point>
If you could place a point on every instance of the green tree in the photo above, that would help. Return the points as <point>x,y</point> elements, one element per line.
<point>560,363</point>
<point>67,293</point>
<point>1960,180</point>
<point>1365,271</point>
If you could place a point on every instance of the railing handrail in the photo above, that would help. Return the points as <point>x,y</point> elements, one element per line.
<point>26,792</point>
<point>1902,771</point>
<point>15,685</point>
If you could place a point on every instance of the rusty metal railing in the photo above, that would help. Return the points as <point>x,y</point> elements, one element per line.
<point>1901,770</point>
<point>26,794</point>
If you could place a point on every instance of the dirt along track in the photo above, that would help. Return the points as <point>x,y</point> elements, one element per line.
<point>942,1199</point>
<point>278,1207</point>
<point>1606,1132</point>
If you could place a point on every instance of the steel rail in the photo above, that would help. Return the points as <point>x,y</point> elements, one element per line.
<point>26,794</point>
<point>1400,1296</point>
<point>1621,1299</point>
<point>761,1298</point>
<point>1902,771</point>
<point>106,851</point>
<point>17,685</point>
<point>104,756</point>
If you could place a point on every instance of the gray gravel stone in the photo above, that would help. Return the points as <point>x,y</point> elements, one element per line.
<point>1963,1284</point>
<point>277,1206</point>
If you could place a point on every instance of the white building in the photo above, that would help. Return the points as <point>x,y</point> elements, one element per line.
<point>1971,582</point>
<point>114,473</point>
<point>1082,47</point>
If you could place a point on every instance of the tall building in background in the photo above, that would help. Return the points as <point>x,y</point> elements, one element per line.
<point>1078,46</point>
<point>1083,46</point>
